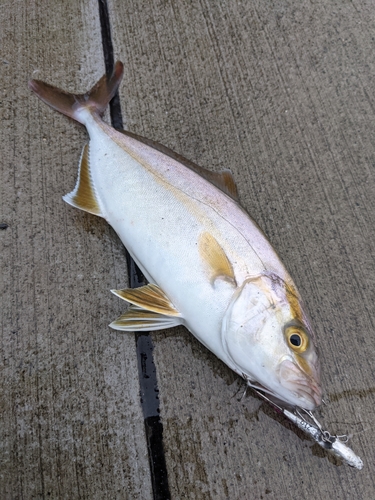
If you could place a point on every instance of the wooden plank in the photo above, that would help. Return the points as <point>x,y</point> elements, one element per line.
<point>72,426</point>
<point>281,93</point>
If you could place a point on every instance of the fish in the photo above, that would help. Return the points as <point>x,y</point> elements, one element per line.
<point>208,265</point>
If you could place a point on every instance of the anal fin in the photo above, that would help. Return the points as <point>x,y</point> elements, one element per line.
<point>84,194</point>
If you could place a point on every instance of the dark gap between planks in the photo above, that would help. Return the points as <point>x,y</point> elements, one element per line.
<point>144,345</point>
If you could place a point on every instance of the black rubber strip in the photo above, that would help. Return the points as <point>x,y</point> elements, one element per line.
<point>153,424</point>
<point>146,367</point>
<point>114,105</point>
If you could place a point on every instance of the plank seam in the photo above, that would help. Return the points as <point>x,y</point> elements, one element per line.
<point>146,367</point>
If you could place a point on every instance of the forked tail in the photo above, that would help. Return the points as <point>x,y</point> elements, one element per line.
<point>96,99</point>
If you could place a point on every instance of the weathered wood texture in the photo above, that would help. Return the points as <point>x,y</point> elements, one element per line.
<point>282,94</point>
<point>71,423</point>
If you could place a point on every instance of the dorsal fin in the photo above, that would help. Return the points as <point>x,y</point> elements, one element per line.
<point>84,194</point>
<point>215,258</point>
<point>149,297</point>
<point>223,180</point>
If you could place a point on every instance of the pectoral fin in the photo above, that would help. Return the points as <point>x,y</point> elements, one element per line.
<point>84,194</point>
<point>150,309</point>
<point>215,258</point>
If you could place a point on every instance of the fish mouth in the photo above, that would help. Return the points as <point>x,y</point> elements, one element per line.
<point>305,388</point>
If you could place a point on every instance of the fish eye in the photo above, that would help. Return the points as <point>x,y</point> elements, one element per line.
<point>297,339</point>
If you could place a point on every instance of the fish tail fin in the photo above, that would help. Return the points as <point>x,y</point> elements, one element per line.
<point>95,100</point>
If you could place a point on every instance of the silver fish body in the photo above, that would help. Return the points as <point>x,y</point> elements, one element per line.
<point>209,266</point>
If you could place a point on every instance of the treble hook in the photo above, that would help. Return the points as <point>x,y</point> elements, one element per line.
<point>327,437</point>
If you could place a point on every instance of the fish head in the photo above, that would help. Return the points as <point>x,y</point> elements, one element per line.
<point>269,341</point>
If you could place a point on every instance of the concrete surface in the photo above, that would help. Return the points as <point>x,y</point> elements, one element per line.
<point>282,94</point>
<point>71,422</point>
